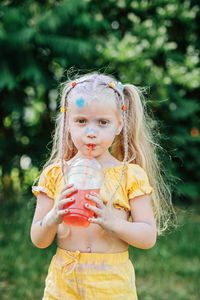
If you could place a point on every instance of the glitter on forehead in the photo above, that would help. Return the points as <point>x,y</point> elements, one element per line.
<point>84,88</point>
<point>88,91</point>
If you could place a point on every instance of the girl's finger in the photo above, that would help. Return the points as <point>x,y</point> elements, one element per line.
<point>63,212</point>
<point>67,193</point>
<point>66,186</point>
<point>94,208</point>
<point>96,200</point>
<point>95,220</point>
<point>94,194</point>
<point>61,203</point>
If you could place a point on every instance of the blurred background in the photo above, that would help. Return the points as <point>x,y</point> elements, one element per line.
<point>152,44</point>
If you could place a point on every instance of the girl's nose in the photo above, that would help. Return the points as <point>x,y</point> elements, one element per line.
<point>91,132</point>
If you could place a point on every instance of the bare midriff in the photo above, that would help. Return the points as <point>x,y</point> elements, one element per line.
<point>93,239</point>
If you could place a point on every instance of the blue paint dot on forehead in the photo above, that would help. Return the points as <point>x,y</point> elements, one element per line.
<point>80,102</point>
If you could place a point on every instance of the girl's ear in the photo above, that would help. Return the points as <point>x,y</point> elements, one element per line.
<point>118,131</point>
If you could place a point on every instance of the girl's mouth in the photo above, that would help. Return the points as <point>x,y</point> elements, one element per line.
<point>93,146</point>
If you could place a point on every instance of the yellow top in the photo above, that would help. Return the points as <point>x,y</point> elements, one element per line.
<point>134,183</point>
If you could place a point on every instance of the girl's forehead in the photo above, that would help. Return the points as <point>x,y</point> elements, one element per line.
<point>92,105</point>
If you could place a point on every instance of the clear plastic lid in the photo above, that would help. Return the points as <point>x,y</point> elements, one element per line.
<point>85,173</point>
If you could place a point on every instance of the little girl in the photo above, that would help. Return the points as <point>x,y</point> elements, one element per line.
<point>93,262</point>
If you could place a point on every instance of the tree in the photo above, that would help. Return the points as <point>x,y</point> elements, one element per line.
<point>147,43</point>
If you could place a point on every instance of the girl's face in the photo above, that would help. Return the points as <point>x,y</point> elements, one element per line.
<point>93,122</point>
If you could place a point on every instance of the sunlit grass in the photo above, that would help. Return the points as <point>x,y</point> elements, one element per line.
<point>168,271</point>
<point>171,269</point>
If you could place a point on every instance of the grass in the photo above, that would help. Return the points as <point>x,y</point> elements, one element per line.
<point>168,271</point>
<point>171,269</point>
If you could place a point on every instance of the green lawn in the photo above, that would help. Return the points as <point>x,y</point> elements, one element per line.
<point>169,271</point>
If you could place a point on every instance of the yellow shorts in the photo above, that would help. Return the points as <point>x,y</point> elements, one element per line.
<point>89,276</point>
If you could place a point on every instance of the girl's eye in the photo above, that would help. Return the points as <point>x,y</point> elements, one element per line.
<point>80,121</point>
<point>103,122</point>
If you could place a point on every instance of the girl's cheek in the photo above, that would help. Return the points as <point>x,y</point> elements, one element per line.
<point>113,132</point>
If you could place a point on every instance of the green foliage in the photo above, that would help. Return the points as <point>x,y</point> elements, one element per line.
<point>159,49</point>
<point>148,43</point>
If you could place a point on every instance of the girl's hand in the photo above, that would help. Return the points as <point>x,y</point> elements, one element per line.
<point>55,215</point>
<point>104,218</point>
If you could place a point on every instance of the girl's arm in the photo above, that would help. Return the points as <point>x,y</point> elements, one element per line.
<point>142,232</point>
<point>42,230</point>
<point>48,216</point>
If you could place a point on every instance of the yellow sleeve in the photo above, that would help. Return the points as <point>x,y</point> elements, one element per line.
<point>47,181</point>
<point>137,182</point>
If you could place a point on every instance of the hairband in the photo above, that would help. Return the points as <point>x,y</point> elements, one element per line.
<point>111,85</point>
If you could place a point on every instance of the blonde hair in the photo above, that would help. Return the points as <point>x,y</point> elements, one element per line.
<point>135,144</point>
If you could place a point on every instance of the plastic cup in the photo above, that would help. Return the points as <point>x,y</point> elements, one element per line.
<point>87,176</point>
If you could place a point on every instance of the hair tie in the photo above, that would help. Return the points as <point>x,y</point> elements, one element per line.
<point>120,86</point>
<point>111,85</point>
<point>63,109</point>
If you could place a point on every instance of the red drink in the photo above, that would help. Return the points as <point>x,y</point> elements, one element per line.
<point>78,214</point>
<point>87,175</point>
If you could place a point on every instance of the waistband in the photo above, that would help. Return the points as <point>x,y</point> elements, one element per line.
<point>92,258</point>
